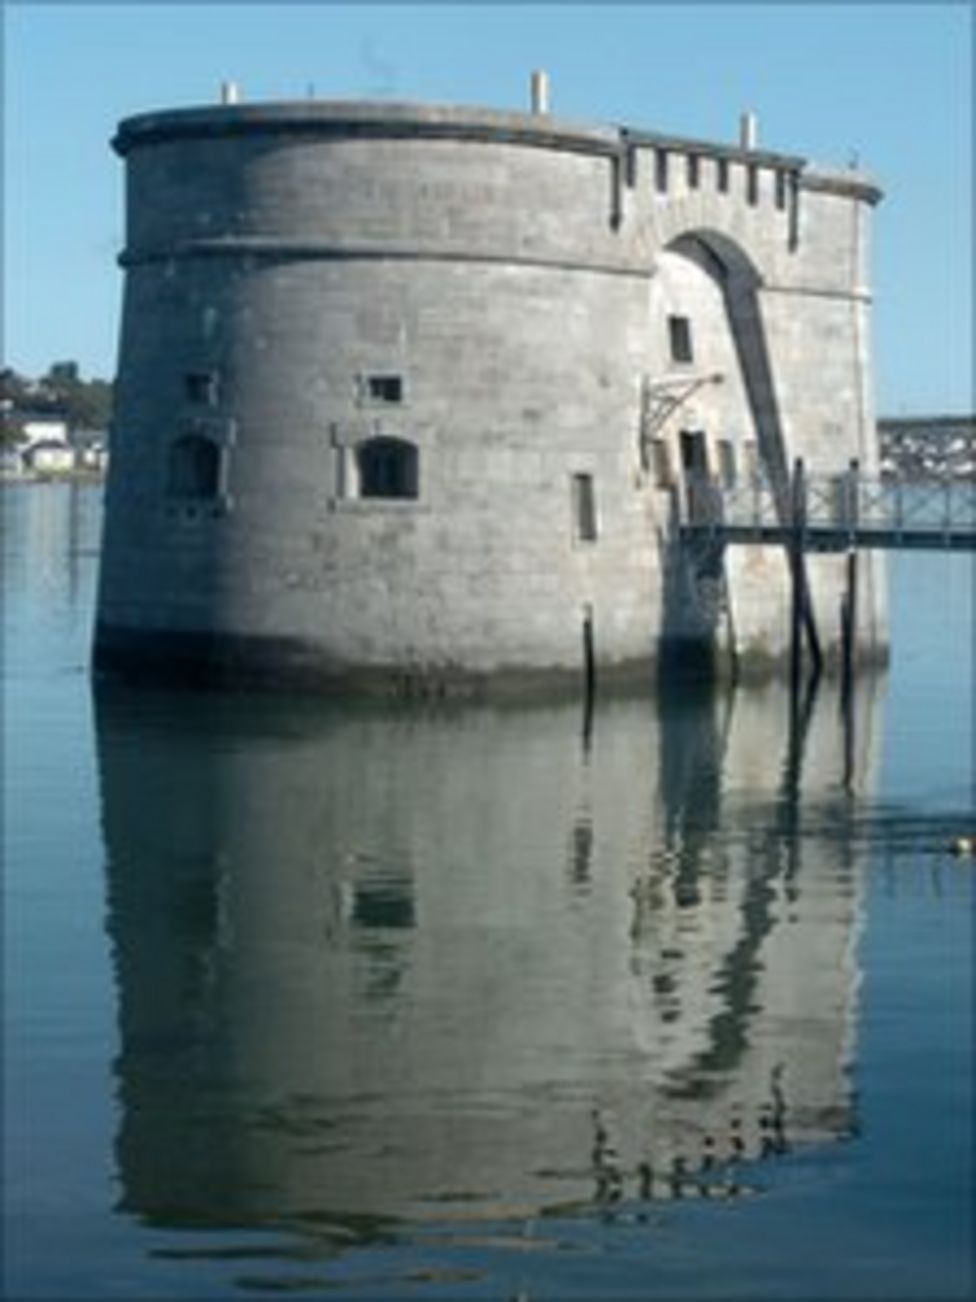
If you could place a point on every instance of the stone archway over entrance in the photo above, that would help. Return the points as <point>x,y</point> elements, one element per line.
<point>712,289</point>
<point>739,281</point>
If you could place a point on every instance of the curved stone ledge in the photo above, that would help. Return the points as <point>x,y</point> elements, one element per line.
<point>365,120</point>
<point>275,248</point>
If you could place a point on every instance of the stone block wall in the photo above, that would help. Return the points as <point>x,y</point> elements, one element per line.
<point>383,382</point>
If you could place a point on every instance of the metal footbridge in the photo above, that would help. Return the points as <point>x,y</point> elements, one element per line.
<point>845,513</point>
<point>833,513</point>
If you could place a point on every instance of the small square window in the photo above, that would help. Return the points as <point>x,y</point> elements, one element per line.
<point>385,388</point>
<point>679,334</point>
<point>201,388</point>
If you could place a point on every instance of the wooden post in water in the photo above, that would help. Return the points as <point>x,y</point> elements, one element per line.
<point>589,663</point>
<point>848,624</point>
<point>797,513</point>
<point>849,607</point>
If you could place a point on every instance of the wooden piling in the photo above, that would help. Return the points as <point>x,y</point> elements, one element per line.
<point>795,552</point>
<point>589,664</point>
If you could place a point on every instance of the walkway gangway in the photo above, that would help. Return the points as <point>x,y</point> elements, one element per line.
<point>833,513</point>
<point>845,512</point>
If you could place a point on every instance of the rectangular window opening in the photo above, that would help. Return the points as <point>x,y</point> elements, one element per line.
<point>202,388</point>
<point>722,175</point>
<point>780,189</point>
<point>384,388</point>
<point>694,171</point>
<point>679,334</point>
<point>584,508</point>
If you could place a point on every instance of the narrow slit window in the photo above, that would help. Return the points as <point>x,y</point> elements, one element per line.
<point>793,198</point>
<point>780,189</point>
<point>584,508</point>
<point>722,175</point>
<point>679,335</point>
<point>694,171</point>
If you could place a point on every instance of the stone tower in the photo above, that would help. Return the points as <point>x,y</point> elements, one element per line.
<point>407,395</point>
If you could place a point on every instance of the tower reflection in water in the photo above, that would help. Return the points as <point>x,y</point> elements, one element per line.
<point>467,964</point>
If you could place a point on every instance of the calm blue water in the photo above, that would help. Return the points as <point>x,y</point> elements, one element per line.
<point>468,1003</point>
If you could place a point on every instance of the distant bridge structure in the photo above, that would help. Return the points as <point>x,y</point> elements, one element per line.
<point>922,447</point>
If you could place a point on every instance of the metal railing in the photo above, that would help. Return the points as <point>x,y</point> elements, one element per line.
<point>833,511</point>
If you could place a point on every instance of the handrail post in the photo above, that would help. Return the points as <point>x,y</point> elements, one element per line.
<point>853,501</point>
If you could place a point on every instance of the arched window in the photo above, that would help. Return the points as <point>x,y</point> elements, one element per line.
<point>388,467</point>
<point>193,471</point>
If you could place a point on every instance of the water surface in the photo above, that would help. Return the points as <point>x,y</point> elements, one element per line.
<point>482,1002</point>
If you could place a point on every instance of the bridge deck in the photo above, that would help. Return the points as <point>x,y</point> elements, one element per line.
<point>834,513</point>
<point>826,539</point>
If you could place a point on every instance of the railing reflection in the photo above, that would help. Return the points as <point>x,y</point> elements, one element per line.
<point>376,966</point>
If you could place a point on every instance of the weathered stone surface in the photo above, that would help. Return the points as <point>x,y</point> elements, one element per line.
<point>504,269</point>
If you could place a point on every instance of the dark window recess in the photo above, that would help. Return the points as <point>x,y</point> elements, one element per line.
<point>694,461</point>
<point>752,184</point>
<point>384,906</point>
<point>201,388</point>
<point>679,334</point>
<point>193,469</point>
<point>584,508</point>
<point>693,455</point>
<point>780,189</point>
<point>661,170</point>
<point>385,388</point>
<point>388,467</point>
<point>722,175</point>
<point>694,171</point>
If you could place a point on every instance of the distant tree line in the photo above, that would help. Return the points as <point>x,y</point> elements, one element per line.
<point>61,392</point>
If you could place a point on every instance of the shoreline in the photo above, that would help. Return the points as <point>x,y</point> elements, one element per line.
<point>54,477</point>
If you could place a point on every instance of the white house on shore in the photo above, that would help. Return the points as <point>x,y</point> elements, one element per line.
<point>49,456</point>
<point>43,427</point>
<point>48,447</point>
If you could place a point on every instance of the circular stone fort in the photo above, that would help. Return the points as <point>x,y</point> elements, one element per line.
<point>414,398</point>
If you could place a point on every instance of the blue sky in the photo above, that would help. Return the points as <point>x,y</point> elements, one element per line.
<point>891,83</point>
